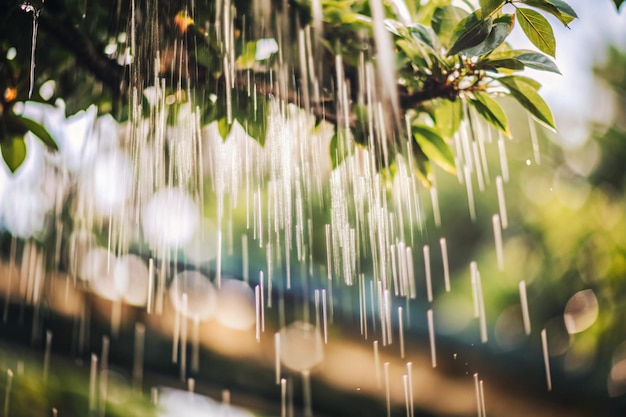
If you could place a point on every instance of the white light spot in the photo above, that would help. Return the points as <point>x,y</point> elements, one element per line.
<point>24,214</point>
<point>110,49</point>
<point>170,218</point>
<point>265,48</point>
<point>581,311</point>
<point>111,181</point>
<point>176,403</point>
<point>235,303</point>
<point>616,383</point>
<point>201,295</point>
<point>509,328</point>
<point>301,346</point>
<point>11,54</point>
<point>134,282</point>
<point>202,247</point>
<point>46,91</point>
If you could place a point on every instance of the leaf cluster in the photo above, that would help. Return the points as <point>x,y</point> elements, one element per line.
<point>451,63</point>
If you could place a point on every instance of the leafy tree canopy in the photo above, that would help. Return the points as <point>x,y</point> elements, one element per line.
<point>436,63</point>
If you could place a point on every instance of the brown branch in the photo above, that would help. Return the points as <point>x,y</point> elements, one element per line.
<point>113,75</point>
<point>324,109</point>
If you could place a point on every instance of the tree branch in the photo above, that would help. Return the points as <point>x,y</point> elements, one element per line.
<point>81,47</point>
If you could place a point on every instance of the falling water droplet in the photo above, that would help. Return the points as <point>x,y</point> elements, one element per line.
<point>30,8</point>
<point>497,235</point>
<point>429,285</point>
<point>446,266</point>
<point>7,392</point>
<point>409,372</point>
<point>277,356</point>
<point>546,358</point>
<point>387,389</point>
<point>401,331</point>
<point>477,392</point>
<point>93,374</point>
<point>482,399</point>
<point>377,364</point>
<point>524,304</point>
<point>431,337</point>
<point>283,397</point>
<point>501,202</point>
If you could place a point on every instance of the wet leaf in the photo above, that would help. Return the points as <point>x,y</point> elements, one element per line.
<point>423,170</point>
<point>224,127</point>
<point>423,34</point>
<point>536,85</point>
<point>256,129</point>
<point>489,6</point>
<point>254,111</point>
<point>13,152</point>
<point>444,20</point>
<point>434,147</point>
<point>491,111</point>
<point>448,115</point>
<point>526,94</point>
<point>39,131</point>
<point>550,7</point>
<point>538,30</point>
<point>501,28</point>
<point>538,61</point>
<point>248,56</point>
<point>510,63</point>
<point>470,32</point>
<point>565,8</point>
<point>511,53</point>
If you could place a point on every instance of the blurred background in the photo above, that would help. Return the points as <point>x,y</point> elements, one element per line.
<point>566,240</point>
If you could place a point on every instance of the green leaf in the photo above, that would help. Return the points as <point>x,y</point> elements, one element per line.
<point>508,63</point>
<point>423,34</point>
<point>422,168</point>
<point>255,113</point>
<point>491,111</point>
<point>538,30</point>
<point>434,147</point>
<point>470,32</point>
<point>224,127</point>
<point>511,53</point>
<point>501,28</point>
<point>565,8</point>
<point>256,129</point>
<point>444,20</point>
<point>618,3</point>
<point>340,147</point>
<point>526,94</point>
<point>39,131</point>
<point>247,58</point>
<point>13,152</point>
<point>538,61</point>
<point>550,7</point>
<point>412,52</point>
<point>536,85</point>
<point>448,115</point>
<point>488,6</point>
